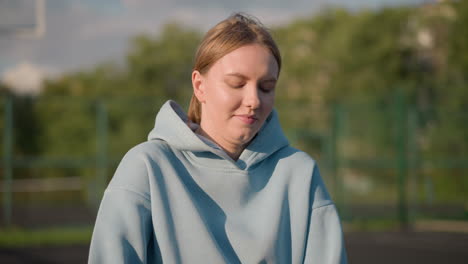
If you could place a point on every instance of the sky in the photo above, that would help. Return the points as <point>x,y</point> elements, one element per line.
<point>81,33</point>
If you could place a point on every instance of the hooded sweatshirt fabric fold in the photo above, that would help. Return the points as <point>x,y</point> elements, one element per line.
<point>179,198</point>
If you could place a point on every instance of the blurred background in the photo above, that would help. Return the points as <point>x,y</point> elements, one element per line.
<point>376,91</point>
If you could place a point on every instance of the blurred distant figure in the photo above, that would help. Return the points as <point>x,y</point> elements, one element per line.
<point>221,184</point>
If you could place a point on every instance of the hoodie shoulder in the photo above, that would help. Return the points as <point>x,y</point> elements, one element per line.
<point>297,159</point>
<point>133,170</point>
<point>305,172</point>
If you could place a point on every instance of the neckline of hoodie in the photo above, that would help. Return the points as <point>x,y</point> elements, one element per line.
<point>190,155</point>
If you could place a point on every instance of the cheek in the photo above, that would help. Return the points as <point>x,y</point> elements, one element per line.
<point>223,98</point>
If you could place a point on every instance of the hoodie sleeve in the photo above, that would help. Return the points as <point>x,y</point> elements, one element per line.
<point>123,230</point>
<point>325,237</point>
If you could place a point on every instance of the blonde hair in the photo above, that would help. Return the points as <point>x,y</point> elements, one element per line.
<point>228,35</point>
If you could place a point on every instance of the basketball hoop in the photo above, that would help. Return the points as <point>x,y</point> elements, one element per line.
<point>22,18</point>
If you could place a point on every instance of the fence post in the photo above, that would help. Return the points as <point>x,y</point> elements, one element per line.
<point>337,118</point>
<point>101,150</point>
<point>413,163</point>
<point>7,161</point>
<point>402,158</point>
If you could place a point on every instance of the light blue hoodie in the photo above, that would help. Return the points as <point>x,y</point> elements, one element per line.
<point>178,198</point>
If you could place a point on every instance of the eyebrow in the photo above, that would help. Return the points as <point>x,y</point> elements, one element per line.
<point>235,74</point>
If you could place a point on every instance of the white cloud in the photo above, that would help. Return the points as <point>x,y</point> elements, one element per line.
<point>25,78</point>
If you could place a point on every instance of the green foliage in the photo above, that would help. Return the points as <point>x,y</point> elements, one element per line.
<point>162,66</point>
<point>156,69</point>
<point>62,123</point>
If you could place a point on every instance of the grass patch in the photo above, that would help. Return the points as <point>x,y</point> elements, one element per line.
<point>17,237</point>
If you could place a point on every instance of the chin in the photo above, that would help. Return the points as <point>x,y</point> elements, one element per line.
<point>244,139</point>
<point>245,134</point>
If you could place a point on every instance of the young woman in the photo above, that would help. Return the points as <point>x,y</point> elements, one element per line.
<point>221,184</point>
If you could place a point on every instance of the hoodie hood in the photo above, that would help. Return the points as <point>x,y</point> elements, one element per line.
<point>171,126</point>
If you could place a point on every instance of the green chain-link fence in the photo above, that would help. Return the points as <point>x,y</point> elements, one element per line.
<point>391,162</point>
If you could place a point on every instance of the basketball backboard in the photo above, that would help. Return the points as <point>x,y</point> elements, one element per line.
<point>22,18</point>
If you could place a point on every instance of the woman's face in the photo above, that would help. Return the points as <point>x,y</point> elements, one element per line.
<point>237,94</point>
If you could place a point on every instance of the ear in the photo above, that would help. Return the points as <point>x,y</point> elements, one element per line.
<point>198,84</point>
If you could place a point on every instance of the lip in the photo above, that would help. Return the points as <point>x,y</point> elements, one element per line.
<point>247,119</point>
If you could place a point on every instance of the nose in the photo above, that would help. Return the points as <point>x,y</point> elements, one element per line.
<point>252,97</point>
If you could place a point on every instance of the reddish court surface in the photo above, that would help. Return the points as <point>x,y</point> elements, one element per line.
<point>363,248</point>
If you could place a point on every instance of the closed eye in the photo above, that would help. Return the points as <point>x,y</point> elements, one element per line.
<point>267,86</point>
<point>235,80</point>
<point>235,84</point>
